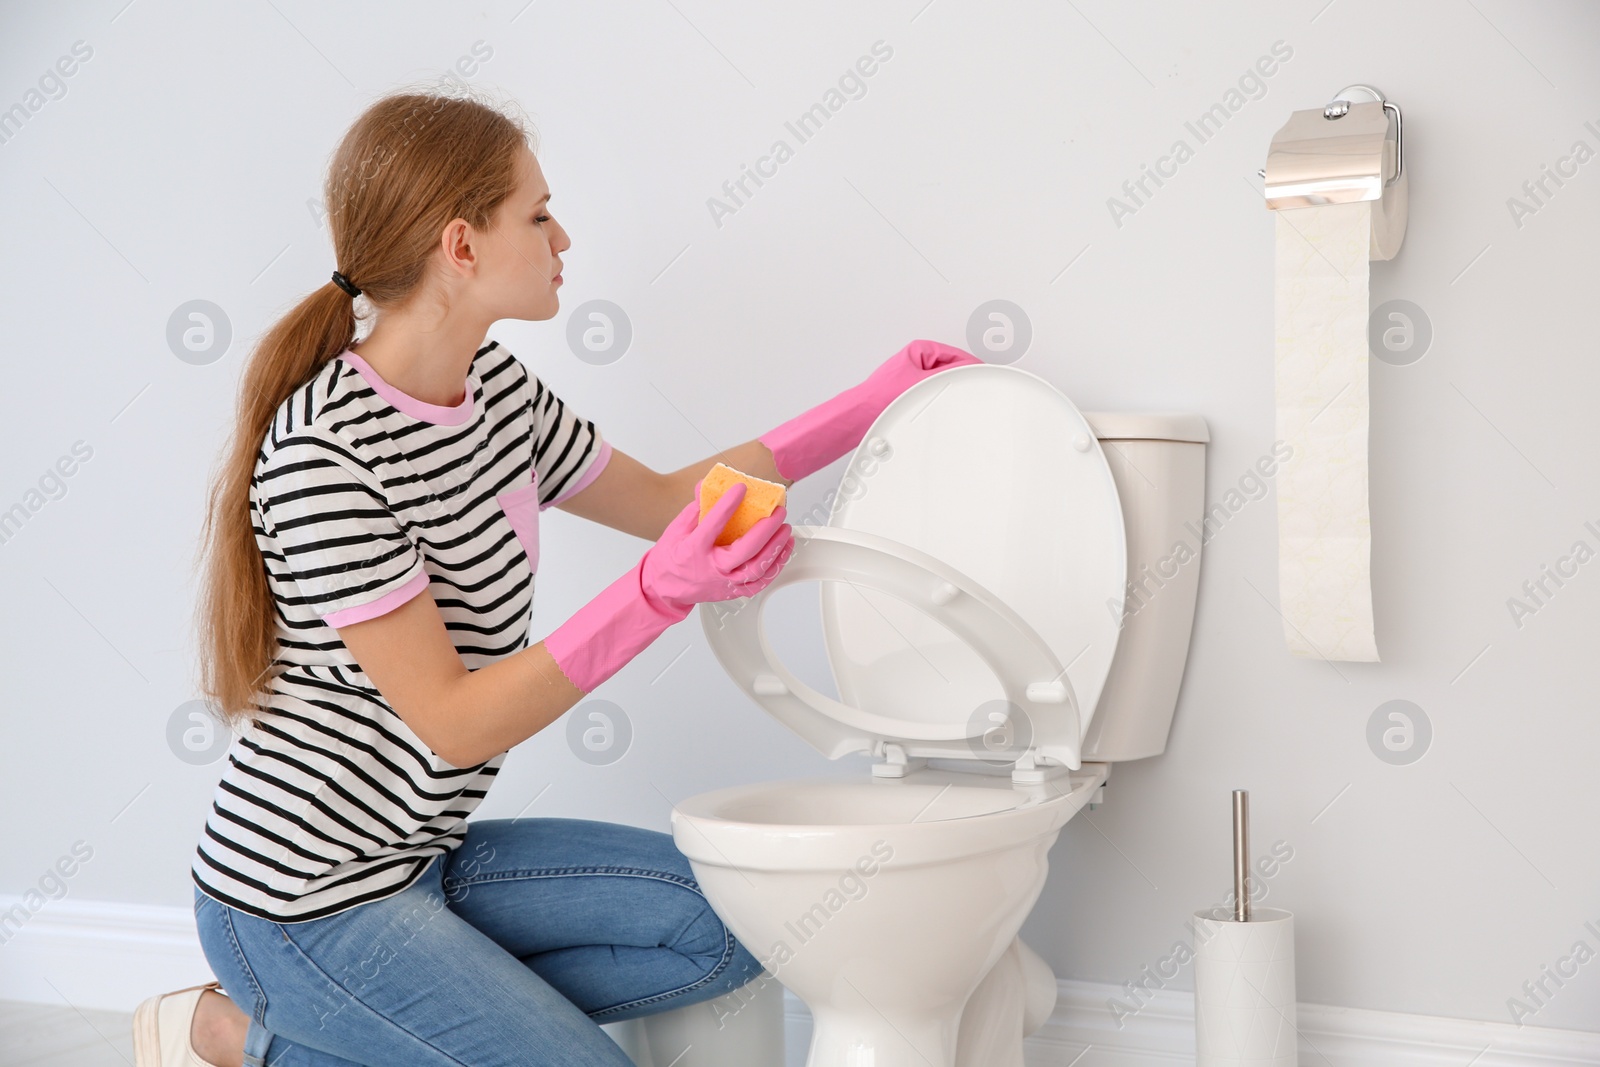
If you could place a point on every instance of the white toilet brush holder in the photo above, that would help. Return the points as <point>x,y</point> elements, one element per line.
<point>1244,996</point>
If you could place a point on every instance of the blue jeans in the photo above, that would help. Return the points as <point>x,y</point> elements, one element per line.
<point>511,949</point>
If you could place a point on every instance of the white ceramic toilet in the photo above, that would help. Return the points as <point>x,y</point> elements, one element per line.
<point>973,573</point>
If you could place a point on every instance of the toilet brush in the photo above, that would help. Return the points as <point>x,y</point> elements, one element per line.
<point>1244,1006</point>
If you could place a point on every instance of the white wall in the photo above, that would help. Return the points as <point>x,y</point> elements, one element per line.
<point>179,163</point>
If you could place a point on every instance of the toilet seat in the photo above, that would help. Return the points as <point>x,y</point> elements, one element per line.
<point>1031,675</point>
<point>972,575</point>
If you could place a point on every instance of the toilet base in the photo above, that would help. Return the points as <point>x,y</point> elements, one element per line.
<point>845,1039</point>
<point>743,1028</point>
<point>1014,999</point>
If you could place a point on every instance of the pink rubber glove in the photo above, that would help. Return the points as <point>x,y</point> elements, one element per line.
<point>815,438</point>
<point>683,568</point>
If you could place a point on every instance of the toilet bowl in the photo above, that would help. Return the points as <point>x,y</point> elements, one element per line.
<point>1006,602</point>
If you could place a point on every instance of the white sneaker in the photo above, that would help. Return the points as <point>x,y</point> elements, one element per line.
<point>161,1029</point>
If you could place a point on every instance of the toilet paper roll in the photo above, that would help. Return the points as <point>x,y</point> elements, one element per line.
<point>1244,1006</point>
<point>1324,530</point>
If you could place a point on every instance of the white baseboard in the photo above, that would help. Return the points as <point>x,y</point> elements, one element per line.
<point>111,956</point>
<point>93,954</point>
<point>1162,1033</point>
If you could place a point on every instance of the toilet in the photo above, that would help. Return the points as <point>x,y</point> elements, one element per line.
<point>1007,587</point>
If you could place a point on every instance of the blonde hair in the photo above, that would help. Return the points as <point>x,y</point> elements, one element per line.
<point>411,163</point>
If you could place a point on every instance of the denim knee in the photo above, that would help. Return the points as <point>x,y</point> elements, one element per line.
<point>742,968</point>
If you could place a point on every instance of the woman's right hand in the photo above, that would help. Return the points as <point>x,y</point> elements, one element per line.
<point>685,567</point>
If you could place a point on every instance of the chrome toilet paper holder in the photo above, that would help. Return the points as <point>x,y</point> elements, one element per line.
<point>1343,153</point>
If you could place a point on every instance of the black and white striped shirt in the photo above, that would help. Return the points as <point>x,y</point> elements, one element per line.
<point>363,497</point>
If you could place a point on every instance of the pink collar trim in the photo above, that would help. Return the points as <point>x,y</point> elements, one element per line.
<point>410,405</point>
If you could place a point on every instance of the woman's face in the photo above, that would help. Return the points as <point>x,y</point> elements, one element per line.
<point>521,265</point>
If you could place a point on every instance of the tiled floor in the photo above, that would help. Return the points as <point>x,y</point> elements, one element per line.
<point>41,1035</point>
<point>45,1035</point>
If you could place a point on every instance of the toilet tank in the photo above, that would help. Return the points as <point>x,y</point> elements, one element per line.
<point>1158,460</point>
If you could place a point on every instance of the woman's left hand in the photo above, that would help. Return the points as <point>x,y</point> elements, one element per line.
<point>910,365</point>
<point>820,435</point>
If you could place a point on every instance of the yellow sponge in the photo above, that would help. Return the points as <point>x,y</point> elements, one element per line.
<point>761,498</point>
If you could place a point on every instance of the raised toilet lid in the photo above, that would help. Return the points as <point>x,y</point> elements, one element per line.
<point>975,559</point>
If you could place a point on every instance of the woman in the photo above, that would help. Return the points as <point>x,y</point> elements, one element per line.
<point>371,546</point>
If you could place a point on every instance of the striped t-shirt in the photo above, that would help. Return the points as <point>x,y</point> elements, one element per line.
<point>363,497</point>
